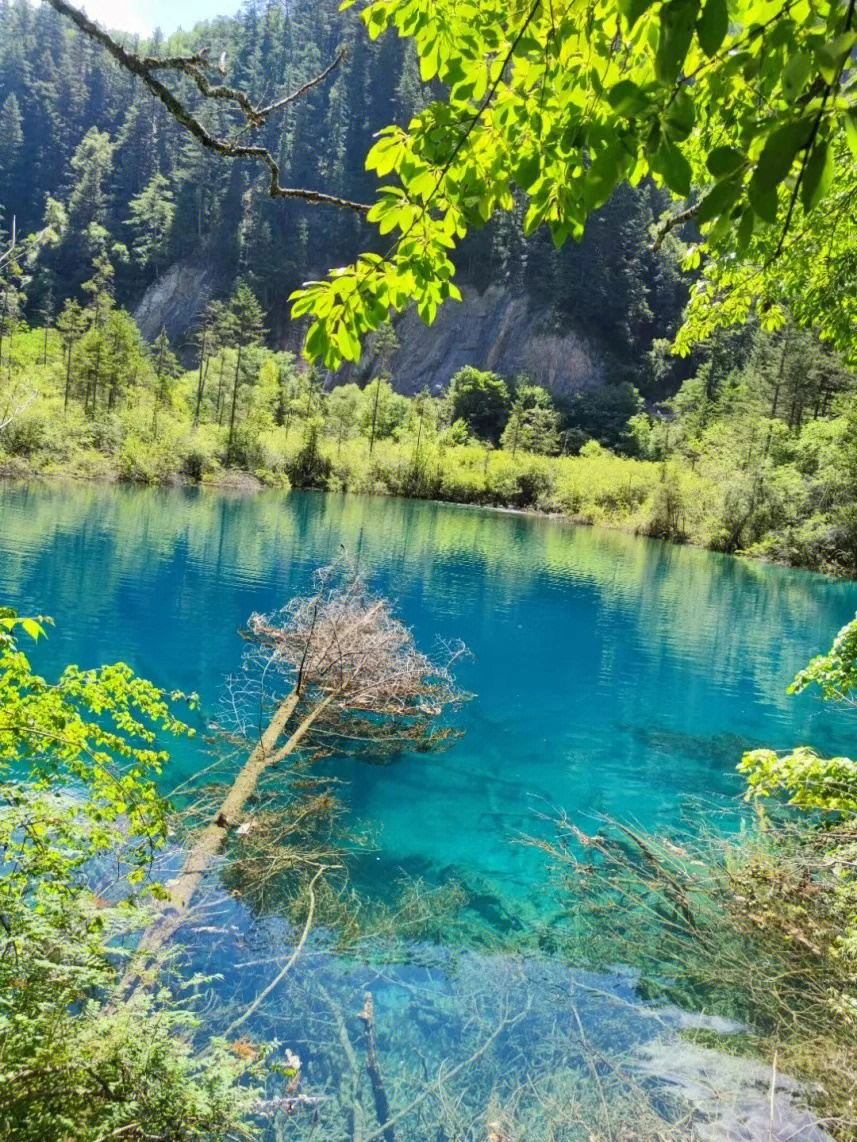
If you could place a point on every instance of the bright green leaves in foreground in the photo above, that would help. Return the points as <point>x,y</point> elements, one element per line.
<point>828,788</point>
<point>810,781</point>
<point>836,672</point>
<point>746,105</point>
<point>97,728</point>
<point>79,819</point>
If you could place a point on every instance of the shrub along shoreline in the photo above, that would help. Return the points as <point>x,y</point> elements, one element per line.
<point>599,489</point>
<point>725,473</point>
<point>656,499</point>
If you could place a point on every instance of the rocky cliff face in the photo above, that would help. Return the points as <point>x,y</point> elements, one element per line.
<point>175,299</point>
<point>498,330</point>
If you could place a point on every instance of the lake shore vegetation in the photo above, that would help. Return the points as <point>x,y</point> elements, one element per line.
<point>753,455</point>
<point>728,915</point>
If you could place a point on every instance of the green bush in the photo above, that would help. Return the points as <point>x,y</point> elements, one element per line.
<point>26,433</point>
<point>201,452</point>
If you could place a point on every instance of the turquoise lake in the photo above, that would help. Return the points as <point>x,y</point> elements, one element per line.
<point>612,675</point>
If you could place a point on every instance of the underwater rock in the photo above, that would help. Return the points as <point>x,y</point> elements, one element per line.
<point>732,1094</point>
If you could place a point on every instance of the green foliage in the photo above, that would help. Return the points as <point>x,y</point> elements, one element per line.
<point>166,368</point>
<point>78,761</point>
<point>381,411</point>
<point>835,672</point>
<point>247,326</point>
<point>823,785</point>
<point>481,400</point>
<point>534,423</point>
<point>97,727</point>
<point>605,414</point>
<point>767,422</point>
<point>809,781</point>
<point>151,215</point>
<point>343,409</point>
<point>753,104</point>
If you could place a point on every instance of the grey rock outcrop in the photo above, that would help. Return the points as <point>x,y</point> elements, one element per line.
<point>175,299</point>
<point>497,330</point>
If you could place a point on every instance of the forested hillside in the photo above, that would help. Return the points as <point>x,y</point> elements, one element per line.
<point>87,149</point>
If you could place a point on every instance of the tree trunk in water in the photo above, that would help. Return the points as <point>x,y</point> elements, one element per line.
<point>211,840</point>
<point>379,1093</point>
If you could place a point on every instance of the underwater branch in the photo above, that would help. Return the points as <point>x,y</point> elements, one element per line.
<point>349,677</point>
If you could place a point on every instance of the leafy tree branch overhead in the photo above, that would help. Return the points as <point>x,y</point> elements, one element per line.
<point>748,105</point>
<point>744,109</point>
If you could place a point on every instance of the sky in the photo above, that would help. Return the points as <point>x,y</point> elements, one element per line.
<point>141,17</point>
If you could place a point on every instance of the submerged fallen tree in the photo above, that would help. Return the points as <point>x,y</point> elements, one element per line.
<point>333,670</point>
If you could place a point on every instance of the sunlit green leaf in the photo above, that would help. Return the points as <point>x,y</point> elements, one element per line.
<point>795,74</point>
<point>678,20</point>
<point>723,161</point>
<point>778,155</point>
<point>712,26</point>
<point>817,176</point>
<point>673,167</point>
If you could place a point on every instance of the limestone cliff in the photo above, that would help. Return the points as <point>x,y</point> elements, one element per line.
<point>175,299</point>
<point>498,329</point>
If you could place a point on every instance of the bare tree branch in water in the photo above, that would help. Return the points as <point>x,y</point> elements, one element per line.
<point>198,67</point>
<point>379,1091</point>
<point>290,963</point>
<point>344,672</point>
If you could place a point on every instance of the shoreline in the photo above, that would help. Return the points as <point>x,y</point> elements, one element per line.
<point>241,483</point>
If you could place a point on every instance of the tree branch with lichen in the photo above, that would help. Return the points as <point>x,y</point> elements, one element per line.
<point>195,67</point>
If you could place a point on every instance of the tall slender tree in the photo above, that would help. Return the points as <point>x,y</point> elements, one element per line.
<point>166,368</point>
<point>71,326</point>
<point>249,327</point>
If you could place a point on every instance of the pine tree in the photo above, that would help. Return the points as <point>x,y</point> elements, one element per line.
<point>166,368</point>
<point>151,219</point>
<point>249,327</point>
<point>11,146</point>
<point>206,336</point>
<point>533,423</point>
<point>71,326</point>
<point>100,290</point>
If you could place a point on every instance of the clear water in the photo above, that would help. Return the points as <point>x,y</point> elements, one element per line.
<point>614,675</point>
